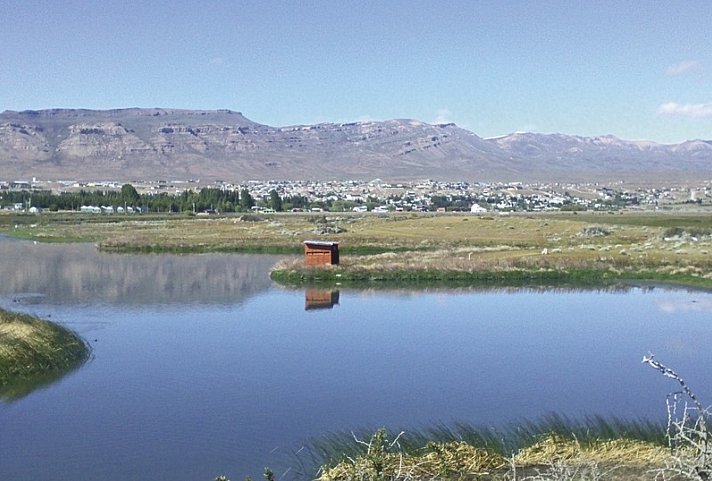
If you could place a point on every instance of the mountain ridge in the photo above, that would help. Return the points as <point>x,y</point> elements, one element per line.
<point>152,143</point>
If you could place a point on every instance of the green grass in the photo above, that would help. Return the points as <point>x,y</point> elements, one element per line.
<point>200,249</point>
<point>649,219</point>
<point>26,233</point>
<point>413,277</point>
<point>354,278</point>
<point>332,448</point>
<point>34,352</point>
<point>461,450</point>
<point>554,448</point>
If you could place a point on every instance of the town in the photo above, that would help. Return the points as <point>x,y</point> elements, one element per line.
<point>105,197</point>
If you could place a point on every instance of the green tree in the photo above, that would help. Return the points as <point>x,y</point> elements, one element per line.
<point>295,201</point>
<point>275,201</point>
<point>129,194</point>
<point>246,200</point>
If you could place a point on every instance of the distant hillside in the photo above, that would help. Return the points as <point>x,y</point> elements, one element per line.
<point>134,144</point>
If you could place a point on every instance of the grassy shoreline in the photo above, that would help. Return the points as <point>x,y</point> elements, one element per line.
<point>593,446</point>
<point>309,276</point>
<point>375,271</point>
<point>34,351</point>
<point>417,249</point>
<point>554,449</point>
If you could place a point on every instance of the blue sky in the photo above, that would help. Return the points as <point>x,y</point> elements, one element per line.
<point>634,69</point>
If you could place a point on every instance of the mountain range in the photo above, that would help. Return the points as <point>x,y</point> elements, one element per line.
<point>156,143</point>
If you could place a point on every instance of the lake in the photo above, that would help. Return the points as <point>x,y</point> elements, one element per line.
<point>202,366</point>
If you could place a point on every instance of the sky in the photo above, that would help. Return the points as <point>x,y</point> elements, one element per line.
<point>634,69</point>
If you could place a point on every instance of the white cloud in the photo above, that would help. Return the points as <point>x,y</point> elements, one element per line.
<point>216,61</point>
<point>693,111</point>
<point>683,68</point>
<point>442,117</point>
<point>676,306</point>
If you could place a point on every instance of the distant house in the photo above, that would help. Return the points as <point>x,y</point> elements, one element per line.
<point>321,253</point>
<point>90,209</point>
<point>477,209</point>
<point>22,184</point>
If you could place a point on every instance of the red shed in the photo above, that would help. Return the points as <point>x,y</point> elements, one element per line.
<point>321,253</point>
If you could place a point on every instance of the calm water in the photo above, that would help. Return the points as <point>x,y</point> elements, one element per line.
<point>202,366</point>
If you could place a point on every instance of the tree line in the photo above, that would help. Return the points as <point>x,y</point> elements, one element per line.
<point>206,199</point>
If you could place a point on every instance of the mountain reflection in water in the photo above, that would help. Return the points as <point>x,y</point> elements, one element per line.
<point>79,273</point>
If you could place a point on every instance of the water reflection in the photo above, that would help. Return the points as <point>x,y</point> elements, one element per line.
<point>673,306</point>
<point>621,287</point>
<point>80,274</point>
<point>19,388</point>
<point>323,298</point>
<point>320,299</point>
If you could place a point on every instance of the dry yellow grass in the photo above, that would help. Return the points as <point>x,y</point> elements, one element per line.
<point>424,241</point>
<point>30,346</point>
<point>440,461</point>
<point>610,452</point>
<point>13,331</point>
<point>552,458</point>
<point>400,229</point>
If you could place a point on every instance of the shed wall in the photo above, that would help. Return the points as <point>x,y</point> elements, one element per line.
<point>318,255</point>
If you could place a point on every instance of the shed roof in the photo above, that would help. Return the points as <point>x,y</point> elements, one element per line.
<point>321,243</point>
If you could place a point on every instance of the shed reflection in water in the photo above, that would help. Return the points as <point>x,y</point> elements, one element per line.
<point>320,299</point>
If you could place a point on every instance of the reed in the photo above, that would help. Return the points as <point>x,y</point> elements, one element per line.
<point>465,451</point>
<point>34,351</point>
<point>503,441</point>
<point>554,448</point>
<point>503,268</point>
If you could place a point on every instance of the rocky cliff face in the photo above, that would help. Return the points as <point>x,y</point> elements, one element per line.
<point>131,144</point>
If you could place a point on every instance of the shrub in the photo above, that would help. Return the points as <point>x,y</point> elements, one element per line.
<point>594,231</point>
<point>688,434</point>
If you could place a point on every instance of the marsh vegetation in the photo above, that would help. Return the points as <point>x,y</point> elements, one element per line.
<point>35,352</point>
<point>554,449</point>
<point>423,247</point>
